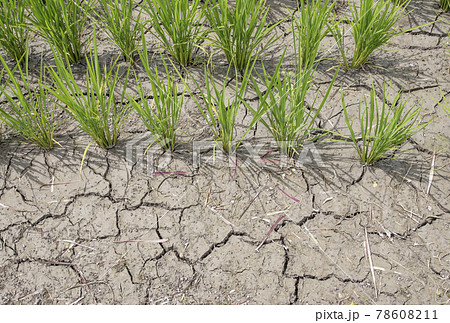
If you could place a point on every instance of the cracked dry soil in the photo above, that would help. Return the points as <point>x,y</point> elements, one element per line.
<point>186,235</point>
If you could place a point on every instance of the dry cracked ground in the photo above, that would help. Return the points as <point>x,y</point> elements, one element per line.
<point>188,231</point>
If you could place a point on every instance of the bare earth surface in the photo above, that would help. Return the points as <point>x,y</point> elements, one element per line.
<point>180,234</point>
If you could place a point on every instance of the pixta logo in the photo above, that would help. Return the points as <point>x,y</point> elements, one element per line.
<point>144,155</point>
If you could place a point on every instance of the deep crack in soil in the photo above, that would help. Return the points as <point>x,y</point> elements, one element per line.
<point>122,234</point>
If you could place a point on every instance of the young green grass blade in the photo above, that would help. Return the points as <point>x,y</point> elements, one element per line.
<point>445,5</point>
<point>95,108</point>
<point>383,129</point>
<point>179,26</point>
<point>116,19</point>
<point>242,34</point>
<point>444,104</point>
<point>31,111</point>
<point>13,31</point>
<point>447,45</point>
<point>61,23</point>
<point>339,36</point>
<point>161,116</point>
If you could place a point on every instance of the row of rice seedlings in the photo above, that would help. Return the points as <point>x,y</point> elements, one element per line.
<point>242,34</point>
<point>30,112</point>
<point>116,19</point>
<point>373,25</point>
<point>179,26</point>
<point>13,32</point>
<point>283,109</point>
<point>311,28</point>
<point>97,112</point>
<point>286,114</point>
<point>161,116</point>
<point>383,128</point>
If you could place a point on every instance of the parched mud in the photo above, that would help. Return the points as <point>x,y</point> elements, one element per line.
<point>183,233</point>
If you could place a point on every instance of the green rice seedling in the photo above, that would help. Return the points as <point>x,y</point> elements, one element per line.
<point>241,33</point>
<point>373,26</point>
<point>61,23</point>
<point>116,19</point>
<point>178,24</point>
<point>221,111</point>
<point>30,111</point>
<point>445,5</point>
<point>287,115</point>
<point>95,108</point>
<point>383,128</point>
<point>13,31</point>
<point>162,114</point>
<point>311,27</point>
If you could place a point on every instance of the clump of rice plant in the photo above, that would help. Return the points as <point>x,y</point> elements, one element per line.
<point>311,27</point>
<point>116,19</point>
<point>95,108</point>
<point>373,26</point>
<point>287,115</point>
<point>383,128</point>
<point>162,114</point>
<point>445,5</point>
<point>30,111</point>
<point>61,23</point>
<point>221,111</point>
<point>178,24</point>
<point>13,31</point>
<point>242,34</point>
